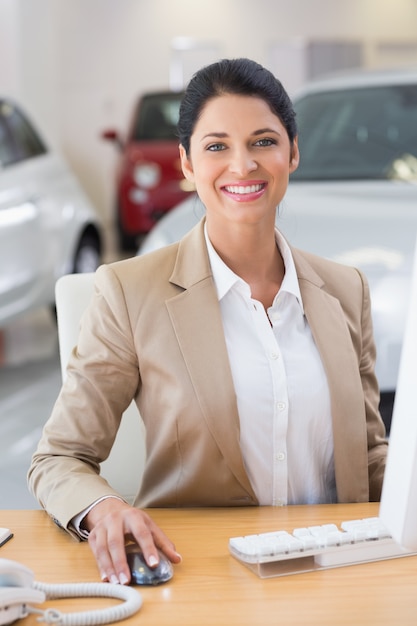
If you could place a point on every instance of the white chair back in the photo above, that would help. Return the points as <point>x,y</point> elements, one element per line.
<point>123,468</point>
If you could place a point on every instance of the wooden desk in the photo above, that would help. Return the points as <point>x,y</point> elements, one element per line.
<point>211,588</point>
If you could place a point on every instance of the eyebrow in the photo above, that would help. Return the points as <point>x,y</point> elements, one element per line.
<point>260,131</point>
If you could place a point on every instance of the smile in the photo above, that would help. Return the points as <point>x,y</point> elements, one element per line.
<point>244,189</point>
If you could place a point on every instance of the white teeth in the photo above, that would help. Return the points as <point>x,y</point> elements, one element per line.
<point>240,189</point>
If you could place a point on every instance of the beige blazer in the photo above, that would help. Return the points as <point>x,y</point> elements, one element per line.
<point>153,331</point>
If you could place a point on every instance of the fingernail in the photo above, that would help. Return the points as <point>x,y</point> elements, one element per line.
<point>114,580</point>
<point>104,577</point>
<point>179,556</point>
<point>123,579</point>
<point>153,561</point>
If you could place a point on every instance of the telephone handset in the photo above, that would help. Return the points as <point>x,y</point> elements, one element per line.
<point>18,589</point>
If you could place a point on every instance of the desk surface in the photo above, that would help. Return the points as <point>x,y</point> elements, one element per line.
<point>211,588</point>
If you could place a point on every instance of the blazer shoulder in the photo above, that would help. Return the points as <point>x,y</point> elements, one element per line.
<point>346,283</point>
<point>330,273</point>
<point>145,265</point>
<point>160,274</point>
<point>183,263</point>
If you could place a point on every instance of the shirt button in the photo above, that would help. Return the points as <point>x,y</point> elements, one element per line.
<point>280,456</point>
<point>274,356</point>
<point>281,406</point>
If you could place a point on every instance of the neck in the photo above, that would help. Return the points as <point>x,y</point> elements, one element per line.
<point>254,256</point>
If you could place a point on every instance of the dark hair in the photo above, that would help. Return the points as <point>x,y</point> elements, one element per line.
<point>233,76</point>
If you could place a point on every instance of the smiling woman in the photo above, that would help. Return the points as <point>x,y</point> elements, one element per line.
<point>230,341</point>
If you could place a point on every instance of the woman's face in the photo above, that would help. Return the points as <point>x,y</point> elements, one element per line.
<point>240,159</point>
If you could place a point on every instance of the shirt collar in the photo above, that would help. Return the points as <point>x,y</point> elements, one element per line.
<point>224,278</point>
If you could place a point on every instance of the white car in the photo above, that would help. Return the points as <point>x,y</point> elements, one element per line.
<point>353,198</point>
<point>48,227</point>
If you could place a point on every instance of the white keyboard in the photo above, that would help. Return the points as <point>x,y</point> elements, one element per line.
<point>316,547</point>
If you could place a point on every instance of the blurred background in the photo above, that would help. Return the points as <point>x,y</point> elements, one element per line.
<point>78,68</point>
<point>79,65</point>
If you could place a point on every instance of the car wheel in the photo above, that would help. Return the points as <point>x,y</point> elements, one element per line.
<point>88,256</point>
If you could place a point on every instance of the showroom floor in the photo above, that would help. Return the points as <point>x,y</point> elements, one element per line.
<point>30,379</point>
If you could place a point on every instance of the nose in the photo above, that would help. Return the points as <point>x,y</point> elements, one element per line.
<point>242,162</point>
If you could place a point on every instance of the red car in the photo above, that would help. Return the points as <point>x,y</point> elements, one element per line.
<point>149,178</point>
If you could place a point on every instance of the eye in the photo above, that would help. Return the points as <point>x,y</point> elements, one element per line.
<point>265,142</point>
<point>216,147</point>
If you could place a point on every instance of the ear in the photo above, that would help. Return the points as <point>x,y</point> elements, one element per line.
<point>187,168</point>
<point>295,156</point>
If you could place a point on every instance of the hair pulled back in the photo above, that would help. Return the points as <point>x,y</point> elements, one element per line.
<point>233,76</point>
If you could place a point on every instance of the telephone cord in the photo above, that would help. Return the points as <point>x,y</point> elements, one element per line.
<point>132,603</point>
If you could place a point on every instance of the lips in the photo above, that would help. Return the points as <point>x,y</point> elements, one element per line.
<point>244,193</point>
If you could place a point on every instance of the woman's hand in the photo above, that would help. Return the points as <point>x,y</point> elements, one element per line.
<point>110,523</point>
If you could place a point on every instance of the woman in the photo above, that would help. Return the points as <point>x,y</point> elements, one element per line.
<point>252,363</point>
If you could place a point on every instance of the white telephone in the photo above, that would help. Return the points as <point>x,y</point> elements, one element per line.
<point>18,590</point>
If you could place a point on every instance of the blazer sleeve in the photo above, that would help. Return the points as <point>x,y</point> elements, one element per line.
<point>102,378</point>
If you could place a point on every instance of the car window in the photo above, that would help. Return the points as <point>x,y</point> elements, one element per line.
<point>363,133</point>
<point>157,117</point>
<point>18,139</point>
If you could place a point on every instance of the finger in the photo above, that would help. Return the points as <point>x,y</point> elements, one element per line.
<point>151,539</point>
<point>107,544</point>
<point>119,567</point>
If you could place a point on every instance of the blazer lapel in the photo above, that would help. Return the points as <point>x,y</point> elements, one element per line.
<point>331,334</point>
<point>196,318</point>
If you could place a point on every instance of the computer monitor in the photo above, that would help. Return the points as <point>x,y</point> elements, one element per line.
<point>398,508</point>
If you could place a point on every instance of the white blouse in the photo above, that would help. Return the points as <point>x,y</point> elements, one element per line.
<point>281,387</point>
